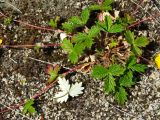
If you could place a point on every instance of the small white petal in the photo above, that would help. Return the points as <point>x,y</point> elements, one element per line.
<point>76,89</point>
<point>63,35</point>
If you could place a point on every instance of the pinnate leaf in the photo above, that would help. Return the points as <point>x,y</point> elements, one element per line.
<point>129,37</point>
<point>139,67</point>
<point>94,31</point>
<point>121,96</point>
<point>141,41</point>
<point>116,28</point>
<point>116,70</point>
<point>109,83</point>
<point>126,79</point>
<point>73,57</point>
<point>67,46</point>
<point>85,15</point>
<point>28,107</point>
<point>99,72</point>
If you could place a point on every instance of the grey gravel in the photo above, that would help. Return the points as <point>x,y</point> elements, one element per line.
<point>144,99</point>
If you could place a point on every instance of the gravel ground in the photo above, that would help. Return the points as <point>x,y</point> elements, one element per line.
<point>21,76</point>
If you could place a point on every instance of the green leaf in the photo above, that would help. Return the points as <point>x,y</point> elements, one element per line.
<point>141,41</point>
<point>99,72</point>
<point>107,2</point>
<point>106,5</point>
<point>88,42</point>
<point>95,7</point>
<point>94,31</point>
<point>52,77</point>
<point>121,96</point>
<point>116,70</point>
<point>31,109</point>
<point>73,57</point>
<point>113,43</point>
<point>85,15</point>
<point>139,67</point>
<point>116,28</point>
<point>102,26</point>
<point>136,50</point>
<point>78,48</point>
<point>129,37</point>
<point>76,21</point>
<point>109,83</point>
<point>52,23</point>
<point>68,26</point>
<point>126,79</point>
<point>80,37</point>
<point>28,107</point>
<point>67,46</point>
<point>108,21</point>
<point>131,61</point>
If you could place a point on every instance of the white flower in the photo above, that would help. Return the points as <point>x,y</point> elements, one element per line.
<point>67,89</point>
<point>63,35</point>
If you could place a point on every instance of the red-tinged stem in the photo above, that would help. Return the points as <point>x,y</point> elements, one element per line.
<point>145,19</point>
<point>37,27</point>
<point>29,46</point>
<point>39,93</point>
<point>137,7</point>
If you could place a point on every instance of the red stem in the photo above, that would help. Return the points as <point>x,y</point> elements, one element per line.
<point>28,46</point>
<point>137,7</point>
<point>39,93</point>
<point>145,19</point>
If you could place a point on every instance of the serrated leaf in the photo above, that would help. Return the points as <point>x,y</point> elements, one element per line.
<point>102,26</point>
<point>78,48</point>
<point>68,26</point>
<point>136,50</point>
<point>85,15</point>
<point>76,89</point>
<point>127,79</point>
<point>116,70</point>
<point>73,57</point>
<point>99,72</point>
<point>107,2</point>
<point>94,31</point>
<point>121,96</point>
<point>138,67</point>
<point>80,37</point>
<point>95,7</point>
<point>52,23</point>
<point>116,28</point>
<point>31,109</point>
<point>67,46</point>
<point>88,42</point>
<point>75,20</point>
<point>113,43</point>
<point>129,37</point>
<point>141,41</point>
<point>109,22</point>
<point>106,5</point>
<point>28,107</point>
<point>131,61</point>
<point>109,83</point>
